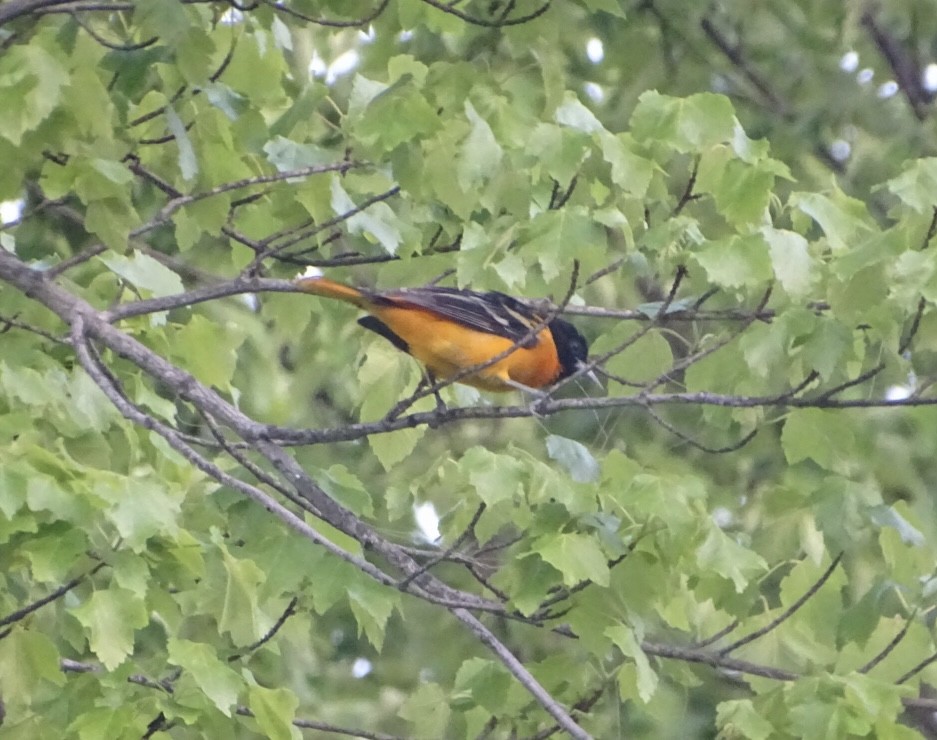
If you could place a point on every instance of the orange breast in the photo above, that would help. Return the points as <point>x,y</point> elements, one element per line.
<point>446,348</point>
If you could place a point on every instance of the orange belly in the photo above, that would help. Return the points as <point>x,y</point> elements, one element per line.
<point>446,348</point>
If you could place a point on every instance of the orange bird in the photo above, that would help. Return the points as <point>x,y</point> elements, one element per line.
<point>449,330</point>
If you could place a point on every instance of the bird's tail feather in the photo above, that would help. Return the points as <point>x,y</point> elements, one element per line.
<point>326,288</point>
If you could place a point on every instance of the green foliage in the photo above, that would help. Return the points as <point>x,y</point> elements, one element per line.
<point>767,334</point>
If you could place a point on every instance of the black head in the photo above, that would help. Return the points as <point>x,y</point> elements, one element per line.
<point>571,347</point>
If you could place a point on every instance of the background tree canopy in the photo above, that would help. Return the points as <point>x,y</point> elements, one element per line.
<point>209,522</point>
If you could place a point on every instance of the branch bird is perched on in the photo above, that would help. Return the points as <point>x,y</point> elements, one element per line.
<point>450,330</point>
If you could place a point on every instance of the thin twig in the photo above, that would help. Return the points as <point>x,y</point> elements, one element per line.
<point>688,195</point>
<point>520,672</point>
<point>499,23</point>
<point>447,553</point>
<point>11,322</point>
<point>330,23</point>
<point>733,54</point>
<point>270,633</point>
<point>885,651</point>
<point>734,447</point>
<point>786,614</point>
<point>729,628</point>
<point>917,669</point>
<point>58,593</point>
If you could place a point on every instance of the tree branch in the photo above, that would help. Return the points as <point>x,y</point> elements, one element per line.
<point>58,593</point>
<point>787,613</point>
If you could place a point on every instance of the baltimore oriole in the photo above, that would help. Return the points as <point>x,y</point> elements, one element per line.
<point>449,330</point>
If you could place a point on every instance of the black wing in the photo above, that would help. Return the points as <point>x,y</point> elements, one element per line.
<point>491,312</point>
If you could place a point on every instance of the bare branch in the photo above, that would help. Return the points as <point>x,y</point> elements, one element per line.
<point>447,553</point>
<point>558,199</point>
<point>728,629</point>
<point>734,447</point>
<point>917,669</point>
<point>520,672</point>
<point>903,65</point>
<point>596,362</point>
<point>75,666</point>
<point>58,593</point>
<point>734,55</point>
<point>265,251</point>
<point>688,195</point>
<point>893,643</point>
<point>269,635</point>
<point>10,322</point>
<point>499,23</point>
<point>580,707</point>
<point>110,44</point>
<point>787,613</point>
<point>331,23</point>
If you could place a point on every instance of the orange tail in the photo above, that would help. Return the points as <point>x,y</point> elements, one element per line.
<point>330,289</point>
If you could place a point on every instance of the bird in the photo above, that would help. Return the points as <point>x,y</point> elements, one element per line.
<point>450,330</point>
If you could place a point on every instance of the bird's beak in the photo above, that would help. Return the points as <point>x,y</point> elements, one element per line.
<point>590,374</point>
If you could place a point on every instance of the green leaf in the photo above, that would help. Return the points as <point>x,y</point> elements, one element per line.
<point>139,509</point>
<point>912,276</point>
<point>406,65</point>
<point>111,219</point>
<point>215,679</point>
<point>791,260</point>
<point>873,699</point>
<point>52,555</point>
<point>287,155</point>
<point>642,360</point>
<point>828,347</point>
<point>613,7</point>
<point>394,447</point>
<point>551,234</point>
<point>814,434</point>
<point>103,178</point>
<point>917,184</point>
<point>275,710</point>
<point>194,52</point>
<point>188,162</point>
<point>480,153</point>
<point>626,641</point>
<point>844,220</point>
<point>363,91</point>
<point>427,709</point>
<point>130,571</point>
<point>377,221</point>
<point>34,78</point>
<point>577,556</point>
<point>721,554</point>
<point>27,658</point>
<point>397,115</point>
<point>574,457</point>
<point>495,477</point>
<point>485,681</point>
<point>346,488</point>
<point>560,152</point>
<point>144,273</point>
<point>689,124</point>
<point>739,718</point>
<point>372,605</point>
<point>241,615</point>
<point>214,368</point>
<point>115,722</point>
<point>111,617</point>
<point>630,171</point>
<point>888,516</point>
<point>575,115</point>
<point>163,18</point>
<point>740,190</point>
<point>736,262</point>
